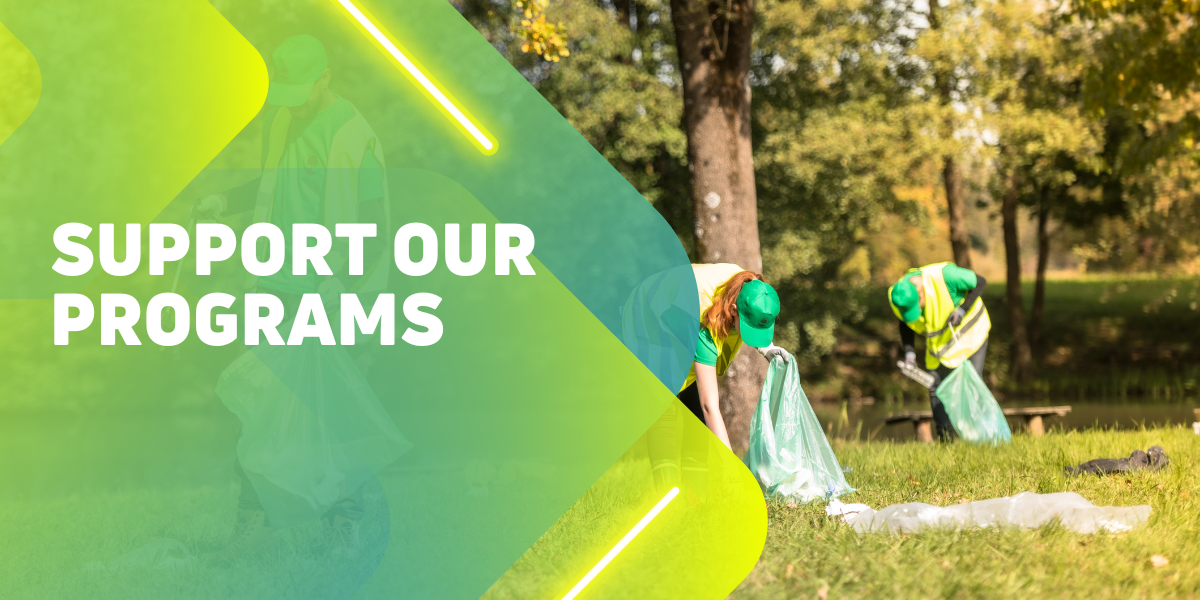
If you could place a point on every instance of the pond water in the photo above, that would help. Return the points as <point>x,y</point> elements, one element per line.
<point>868,420</point>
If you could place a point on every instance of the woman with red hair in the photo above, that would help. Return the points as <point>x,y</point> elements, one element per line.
<point>736,306</point>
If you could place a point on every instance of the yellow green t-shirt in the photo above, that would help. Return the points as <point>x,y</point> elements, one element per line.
<point>719,353</point>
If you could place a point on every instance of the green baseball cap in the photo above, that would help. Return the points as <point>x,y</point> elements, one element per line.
<point>904,297</point>
<point>299,62</point>
<point>757,305</point>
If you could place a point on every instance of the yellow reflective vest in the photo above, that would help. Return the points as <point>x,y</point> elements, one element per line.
<point>348,148</point>
<point>946,345</point>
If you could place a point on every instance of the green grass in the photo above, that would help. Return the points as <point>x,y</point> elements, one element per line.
<point>50,535</point>
<point>51,549</point>
<point>807,551</point>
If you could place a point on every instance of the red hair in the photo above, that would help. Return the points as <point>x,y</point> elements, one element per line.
<point>722,316</point>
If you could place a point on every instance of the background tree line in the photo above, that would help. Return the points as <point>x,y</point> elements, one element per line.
<point>834,144</point>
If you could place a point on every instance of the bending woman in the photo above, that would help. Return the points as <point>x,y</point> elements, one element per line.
<point>736,306</point>
<point>943,303</point>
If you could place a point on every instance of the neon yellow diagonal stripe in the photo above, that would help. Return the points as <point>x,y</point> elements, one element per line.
<point>486,145</point>
<point>621,544</point>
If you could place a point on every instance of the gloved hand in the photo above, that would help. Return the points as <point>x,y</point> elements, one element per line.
<point>910,355</point>
<point>208,208</point>
<point>772,351</point>
<point>956,317</point>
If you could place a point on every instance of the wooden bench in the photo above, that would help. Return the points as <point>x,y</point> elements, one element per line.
<point>923,420</point>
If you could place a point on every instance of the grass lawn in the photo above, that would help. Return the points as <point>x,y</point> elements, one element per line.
<point>49,541</point>
<point>811,555</point>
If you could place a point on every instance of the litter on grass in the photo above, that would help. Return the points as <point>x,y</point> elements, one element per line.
<point>1152,460</point>
<point>788,452</point>
<point>1026,510</point>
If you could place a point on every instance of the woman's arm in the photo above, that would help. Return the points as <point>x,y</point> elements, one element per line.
<point>710,401</point>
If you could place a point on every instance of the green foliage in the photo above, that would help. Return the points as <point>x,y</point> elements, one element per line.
<point>619,88</point>
<point>836,129</point>
<point>1146,51</point>
<point>547,40</point>
<point>855,103</point>
<point>1140,78</point>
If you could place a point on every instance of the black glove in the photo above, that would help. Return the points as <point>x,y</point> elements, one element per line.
<point>956,317</point>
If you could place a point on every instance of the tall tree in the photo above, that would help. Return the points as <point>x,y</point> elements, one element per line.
<point>1022,360</point>
<point>946,83</point>
<point>837,129</point>
<point>713,41</point>
<point>1037,313</point>
<point>1034,109</point>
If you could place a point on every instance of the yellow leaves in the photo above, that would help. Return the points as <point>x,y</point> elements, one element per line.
<point>547,40</point>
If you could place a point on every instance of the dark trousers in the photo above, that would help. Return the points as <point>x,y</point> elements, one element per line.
<point>679,449</point>
<point>941,421</point>
<point>690,398</point>
<point>350,507</point>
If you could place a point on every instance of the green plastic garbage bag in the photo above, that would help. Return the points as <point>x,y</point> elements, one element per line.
<point>313,431</point>
<point>971,407</point>
<point>788,452</point>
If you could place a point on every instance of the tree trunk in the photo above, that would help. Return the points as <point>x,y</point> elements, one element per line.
<point>1021,359</point>
<point>624,9</point>
<point>1039,289</point>
<point>960,241</point>
<point>713,41</point>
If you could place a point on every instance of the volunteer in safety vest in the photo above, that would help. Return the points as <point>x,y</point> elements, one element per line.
<point>942,303</point>
<point>321,163</point>
<point>736,306</point>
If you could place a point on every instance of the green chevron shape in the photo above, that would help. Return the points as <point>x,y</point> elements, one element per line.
<point>23,83</point>
<point>532,422</point>
<point>131,109</point>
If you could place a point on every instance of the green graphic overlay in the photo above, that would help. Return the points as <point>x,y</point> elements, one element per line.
<point>504,459</point>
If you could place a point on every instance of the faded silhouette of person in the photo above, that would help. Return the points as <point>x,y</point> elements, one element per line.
<point>312,430</point>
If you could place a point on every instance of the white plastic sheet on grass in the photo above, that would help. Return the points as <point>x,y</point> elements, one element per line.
<point>1026,510</point>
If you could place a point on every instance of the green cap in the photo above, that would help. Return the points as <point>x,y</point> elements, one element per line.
<point>904,297</point>
<point>757,305</point>
<point>299,62</point>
